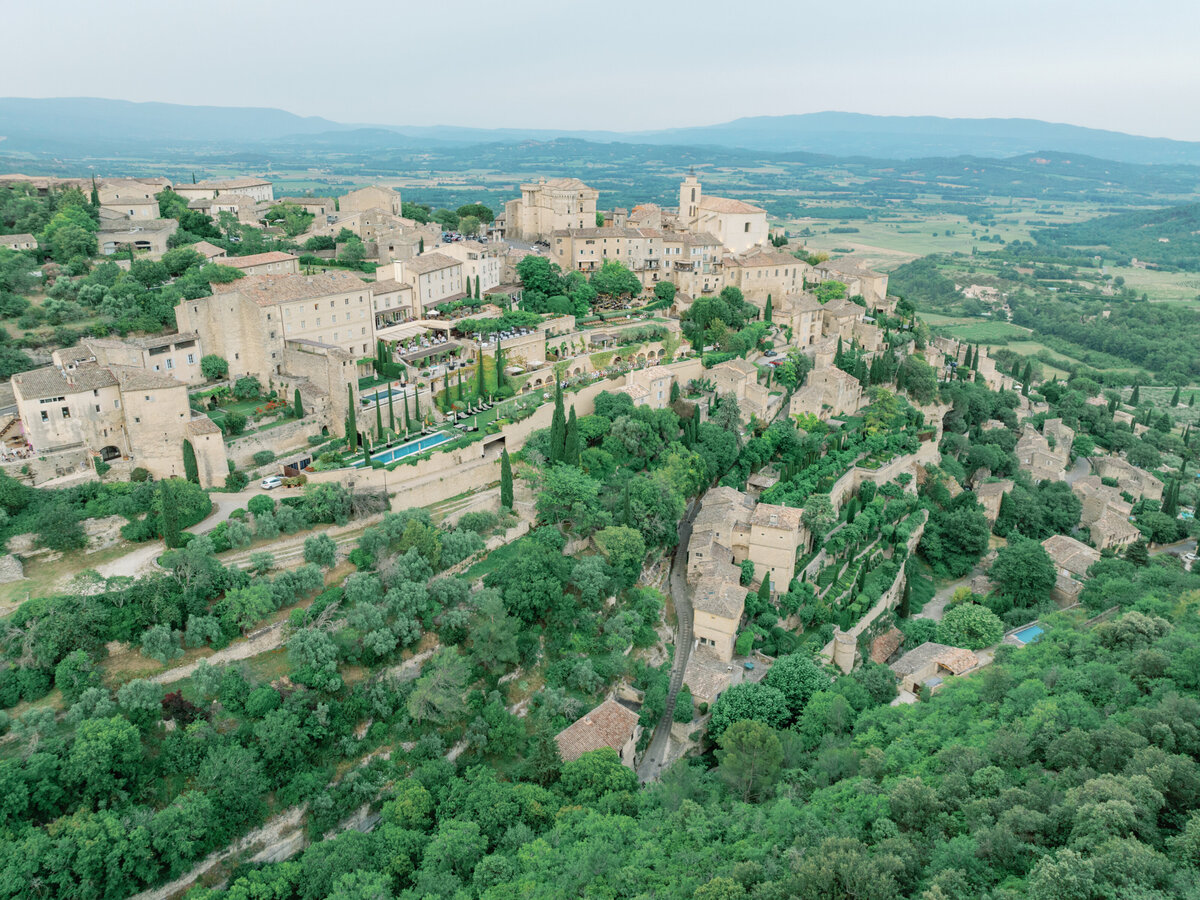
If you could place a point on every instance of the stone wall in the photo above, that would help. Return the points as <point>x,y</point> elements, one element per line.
<point>47,466</point>
<point>279,440</point>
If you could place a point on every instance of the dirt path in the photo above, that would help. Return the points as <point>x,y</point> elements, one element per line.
<point>263,640</point>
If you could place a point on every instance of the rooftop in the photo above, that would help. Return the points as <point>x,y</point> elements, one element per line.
<point>768,515</point>
<point>728,205</point>
<point>608,725</point>
<point>269,290</point>
<point>719,597</point>
<point>227,184</point>
<point>207,250</point>
<point>956,659</point>
<point>430,262</point>
<point>1074,556</point>
<point>258,259</point>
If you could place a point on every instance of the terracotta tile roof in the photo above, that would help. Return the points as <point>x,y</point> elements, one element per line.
<point>207,250</point>
<point>133,378</point>
<point>956,659</point>
<point>885,645</point>
<point>608,725</point>
<point>269,290</point>
<point>1067,553</point>
<point>768,515</point>
<point>740,366</point>
<point>992,488</point>
<point>728,205</point>
<point>430,262</point>
<point>388,286</point>
<point>202,425</point>
<point>7,239</point>
<point>718,597</point>
<point>226,184</point>
<point>51,381</point>
<point>258,259</point>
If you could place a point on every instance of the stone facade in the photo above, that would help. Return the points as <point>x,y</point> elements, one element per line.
<point>549,205</point>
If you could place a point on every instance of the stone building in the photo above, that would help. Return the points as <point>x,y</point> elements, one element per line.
<point>23,242</point>
<point>1134,481</point>
<point>1071,559</point>
<point>989,495</point>
<point>274,262</point>
<point>650,386</point>
<point>147,237</point>
<point>860,281</point>
<point>247,210</point>
<point>130,200</point>
<point>372,197</point>
<point>776,534</point>
<point>717,607</point>
<point>547,206</point>
<point>1105,513</point>
<point>740,378</point>
<point>763,271</point>
<point>481,262</point>
<point>738,225</point>
<point>114,412</point>
<point>434,276</point>
<point>260,190</point>
<point>827,393</point>
<point>175,355</point>
<point>247,321</point>
<point>608,725</point>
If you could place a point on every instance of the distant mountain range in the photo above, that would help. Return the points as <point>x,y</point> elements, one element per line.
<point>96,127</point>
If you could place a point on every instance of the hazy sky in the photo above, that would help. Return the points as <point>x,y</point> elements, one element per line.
<point>624,64</point>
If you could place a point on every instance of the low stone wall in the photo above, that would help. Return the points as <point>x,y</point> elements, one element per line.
<point>279,440</point>
<point>45,467</point>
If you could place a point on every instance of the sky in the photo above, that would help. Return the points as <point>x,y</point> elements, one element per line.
<point>623,65</point>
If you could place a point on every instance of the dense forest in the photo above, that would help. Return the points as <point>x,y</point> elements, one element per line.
<point>1168,237</point>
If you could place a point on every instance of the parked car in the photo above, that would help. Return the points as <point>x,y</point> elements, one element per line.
<point>271,482</point>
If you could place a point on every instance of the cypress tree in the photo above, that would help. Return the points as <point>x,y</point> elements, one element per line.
<point>480,385</point>
<point>571,443</point>
<point>446,391</point>
<point>1136,397</point>
<point>420,246</point>
<point>1175,398</point>
<point>191,471</point>
<point>1170,501</point>
<point>378,418</point>
<point>478,289</point>
<point>95,194</point>
<point>674,390</point>
<point>1191,401</point>
<point>764,588</point>
<point>499,363</point>
<point>768,311</point>
<point>351,420</point>
<point>837,357</point>
<point>627,508</point>
<point>297,405</point>
<point>506,481</point>
<point>417,405</point>
<point>1028,373</point>
<point>366,453</point>
<point>391,411</point>
<point>558,427</point>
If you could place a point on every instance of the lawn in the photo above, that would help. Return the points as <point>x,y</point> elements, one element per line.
<point>978,332</point>
<point>1160,397</point>
<point>1160,286</point>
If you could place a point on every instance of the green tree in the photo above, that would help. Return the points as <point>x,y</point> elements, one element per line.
<point>438,695</point>
<point>571,441</point>
<point>1023,572</point>
<point>613,279</point>
<point>160,643</point>
<point>748,700</point>
<point>242,607</point>
<point>751,757</point>
<point>351,420</point>
<point>506,481</point>
<point>768,311</point>
<point>625,550</point>
<point>168,514</point>
<point>297,405</point>
<point>818,516</point>
<point>685,708</point>
<point>191,471</point>
<point>213,367</point>
<point>595,774</point>
<point>797,677</point>
<point>320,550</point>
<point>970,625</point>
<point>105,758</point>
<point>558,426</point>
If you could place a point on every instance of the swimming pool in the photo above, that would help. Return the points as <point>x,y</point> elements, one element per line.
<point>387,456</point>
<point>1029,634</point>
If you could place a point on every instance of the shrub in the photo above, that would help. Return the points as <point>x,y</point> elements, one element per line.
<point>263,457</point>
<point>139,474</point>
<point>236,481</point>
<point>247,388</point>
<point>235,423</point>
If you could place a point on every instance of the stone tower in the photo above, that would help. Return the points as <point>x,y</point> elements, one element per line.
<point>689,199</point>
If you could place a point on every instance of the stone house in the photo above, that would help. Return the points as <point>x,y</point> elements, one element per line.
<point>481,263</point>
<point>175,355</point>
<point>1071,559</point>
<point>391,302</point>
<point>608,725</point>
<point>929,664</point>
<point>740,378</point>
<point>147,237</point>
<point>113,412</point>
<point>859,280</point>
<point>989,494</point>
<point>434,276</point>
<point>260,190</point>
<point>128,199</point>
<point>247,210</point>
<point>776,534</point>
<point>1105,513</point>
<point>317,206</point>
<point>650,386</point>
<point>371,197</point>
<point>1036,457</point>
<point>210,252</point>
<point>827,393</point>
<point>274,262</point>
<point>762,271</point>
<point>717,606</point>
<point>1134,481</point>
<point>25,242</point>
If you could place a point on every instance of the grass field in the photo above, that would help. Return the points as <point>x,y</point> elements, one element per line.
<point>1160,286</point>
<point>1160,397</point>
<point>981,332</point>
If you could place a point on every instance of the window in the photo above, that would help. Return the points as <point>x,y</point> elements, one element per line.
<point>97,407</point>
<point>137,420</point>
<point>45,416</point>
<point>191,359</point>
<point>149,398</point>
<point>116,404</point>
<point>747,228</point>
<point>171,362</point>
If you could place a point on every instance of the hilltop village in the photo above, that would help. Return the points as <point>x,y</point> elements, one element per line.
<point>323,512</point>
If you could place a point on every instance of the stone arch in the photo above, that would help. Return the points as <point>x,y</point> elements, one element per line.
<point>109,452</point>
